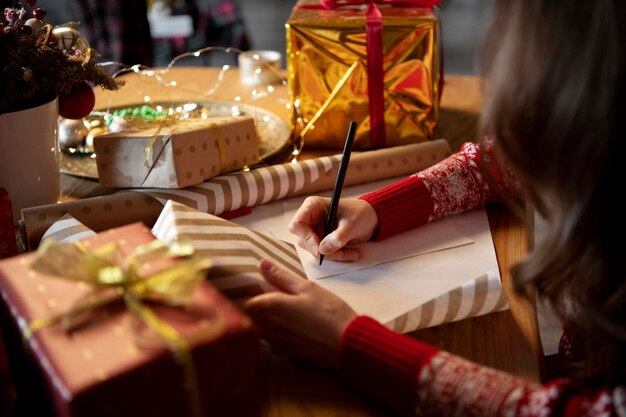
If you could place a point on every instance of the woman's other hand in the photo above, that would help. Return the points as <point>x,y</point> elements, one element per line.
<point>356,222</point>
<point>301,319</point>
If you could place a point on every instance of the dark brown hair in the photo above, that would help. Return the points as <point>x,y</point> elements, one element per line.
<point>554,94</point>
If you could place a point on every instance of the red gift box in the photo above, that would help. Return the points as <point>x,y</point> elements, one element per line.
<point>99,370</point>
<point>8,246</point>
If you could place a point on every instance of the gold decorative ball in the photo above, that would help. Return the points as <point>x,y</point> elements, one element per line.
<point>72,43</point>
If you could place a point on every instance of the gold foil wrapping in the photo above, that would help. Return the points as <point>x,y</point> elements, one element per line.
<point>328,80</point>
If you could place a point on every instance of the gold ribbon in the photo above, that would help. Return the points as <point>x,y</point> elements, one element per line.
<point>164,121</point>
<point>219,138</point>
<point>113,278</point>
<point>221,144</point>
<point>153,139</point>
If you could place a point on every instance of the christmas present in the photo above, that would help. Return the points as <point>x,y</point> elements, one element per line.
<point>184,153</point>
<point>374,62</point>
<point>235,251</point>
<point>117,325</point>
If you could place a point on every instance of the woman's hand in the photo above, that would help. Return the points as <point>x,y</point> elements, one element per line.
<point>356,222</point>
<point>302,319</point>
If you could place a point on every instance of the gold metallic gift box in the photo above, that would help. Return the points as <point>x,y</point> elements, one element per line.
<point>327,63</point>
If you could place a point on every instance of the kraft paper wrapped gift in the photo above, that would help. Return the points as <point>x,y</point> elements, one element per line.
<point>182,154</point>
<point>374,62</point>
<point>109,365</point>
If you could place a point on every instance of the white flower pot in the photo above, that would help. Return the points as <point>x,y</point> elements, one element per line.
<point>29,155</point>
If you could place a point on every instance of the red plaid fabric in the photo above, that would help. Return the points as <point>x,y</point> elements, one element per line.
<point>118,29</point>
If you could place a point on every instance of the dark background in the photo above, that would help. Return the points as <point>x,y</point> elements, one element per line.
<point>263,20</point>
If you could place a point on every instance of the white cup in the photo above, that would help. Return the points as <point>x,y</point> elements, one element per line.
<point>259,67</point>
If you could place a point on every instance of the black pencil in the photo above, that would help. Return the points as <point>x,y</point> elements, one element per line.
<point>341,175</point>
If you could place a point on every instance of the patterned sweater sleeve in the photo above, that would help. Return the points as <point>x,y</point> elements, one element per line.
<point>414,378</point>
<point>453,185</point>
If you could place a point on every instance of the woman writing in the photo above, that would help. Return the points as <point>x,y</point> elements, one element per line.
<point>554,87</point>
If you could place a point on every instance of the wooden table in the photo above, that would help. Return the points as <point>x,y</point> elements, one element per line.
<point>507,340</point>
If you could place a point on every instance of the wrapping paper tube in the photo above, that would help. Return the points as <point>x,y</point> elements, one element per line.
<point>232,191</point>
<point>67,229</point>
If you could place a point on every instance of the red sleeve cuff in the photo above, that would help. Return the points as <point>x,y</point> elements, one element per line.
<point>400,206</point>
<point>382,363</point>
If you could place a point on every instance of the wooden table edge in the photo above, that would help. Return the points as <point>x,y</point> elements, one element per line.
<point>510,236</point>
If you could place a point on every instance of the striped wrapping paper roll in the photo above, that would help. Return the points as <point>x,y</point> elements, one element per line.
<point>232,191</point>
<point>234,250</point>
<point>67,229</point>
<point>476,297</point>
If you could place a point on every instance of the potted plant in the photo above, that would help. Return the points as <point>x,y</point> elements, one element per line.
<point>44,71</point>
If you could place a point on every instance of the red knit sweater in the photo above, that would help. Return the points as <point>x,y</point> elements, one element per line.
<point>414,378</point>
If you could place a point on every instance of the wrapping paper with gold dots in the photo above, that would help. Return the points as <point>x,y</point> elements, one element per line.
<point>235,190</point>
<point>100,369</point>
<point>175,156</point>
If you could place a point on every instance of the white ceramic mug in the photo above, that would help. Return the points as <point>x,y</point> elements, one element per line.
<point>259,67</point>
<point>29,155</point>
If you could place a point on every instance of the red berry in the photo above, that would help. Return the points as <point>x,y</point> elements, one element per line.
<point>39,13</point>
<point>78,102</point>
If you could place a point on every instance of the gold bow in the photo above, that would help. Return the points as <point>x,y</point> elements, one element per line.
<point>113,278</point>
